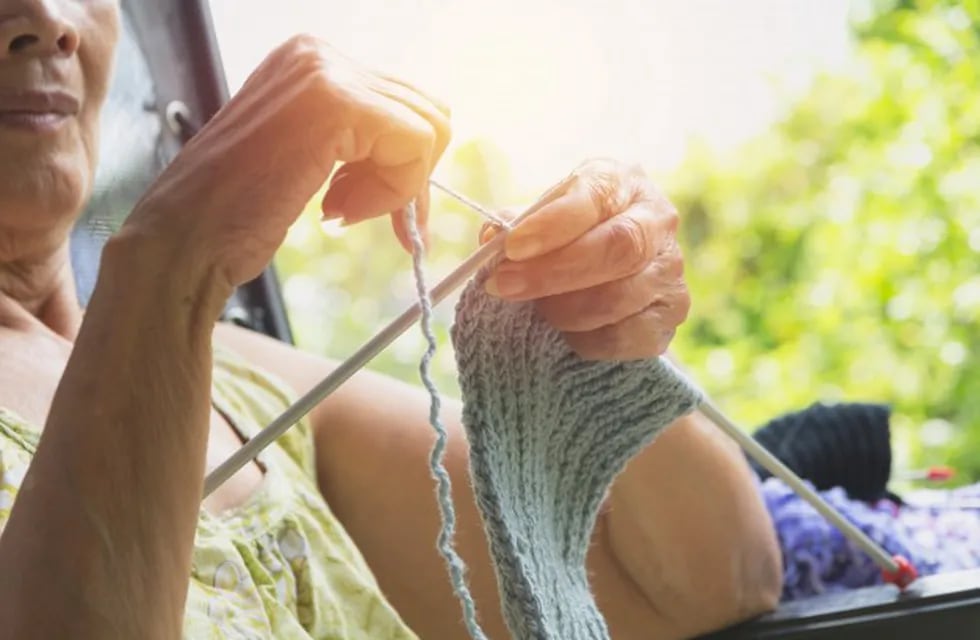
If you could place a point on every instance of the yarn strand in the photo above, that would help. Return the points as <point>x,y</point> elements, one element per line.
<point>445,542</point>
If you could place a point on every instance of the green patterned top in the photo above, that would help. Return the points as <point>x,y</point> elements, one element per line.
<point>279,565</point>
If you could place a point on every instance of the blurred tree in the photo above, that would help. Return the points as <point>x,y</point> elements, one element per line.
<point>835,257</point>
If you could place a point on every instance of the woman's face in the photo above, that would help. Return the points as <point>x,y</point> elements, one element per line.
<point>55,63</point>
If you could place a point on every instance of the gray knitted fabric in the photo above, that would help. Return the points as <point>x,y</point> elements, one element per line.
<point>548,432</point>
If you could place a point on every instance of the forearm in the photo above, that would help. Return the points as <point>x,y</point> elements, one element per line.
<point>686,523</point>
<point>99,541</point>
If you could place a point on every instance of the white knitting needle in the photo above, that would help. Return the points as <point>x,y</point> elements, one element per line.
<point>897,569</point>
<point>775,466</point>
<point>368,351</point>
<point>475,206</point>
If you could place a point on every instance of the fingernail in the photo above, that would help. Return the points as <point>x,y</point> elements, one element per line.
<point>335,201</point>
<point>487,233</point>
<point>505,284</point>
<point>523,247</point>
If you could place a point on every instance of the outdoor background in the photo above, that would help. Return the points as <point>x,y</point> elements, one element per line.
<point>825,157</point>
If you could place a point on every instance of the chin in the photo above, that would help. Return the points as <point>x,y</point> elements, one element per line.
<point>37,211</point>
<point>43,198</point>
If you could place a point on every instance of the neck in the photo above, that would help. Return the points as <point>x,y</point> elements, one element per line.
<point>41,286</point>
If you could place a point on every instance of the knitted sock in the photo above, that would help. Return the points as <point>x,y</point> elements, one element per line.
<point>548,432</point>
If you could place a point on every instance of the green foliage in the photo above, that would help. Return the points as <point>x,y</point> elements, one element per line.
<point>834,257</point>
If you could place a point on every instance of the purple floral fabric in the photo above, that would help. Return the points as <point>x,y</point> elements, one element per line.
<point>817,558</point>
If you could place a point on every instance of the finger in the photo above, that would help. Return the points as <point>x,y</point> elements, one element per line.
<point>660,284</point>
<point>434,113</point>
<point>363,190</point>
<point>598,192</point>
<point>438,104</point>
<point>395,170</point>
<point>643,335</point>
<point>619,247</point>
<point>399,224</point>
<point>556,224</point>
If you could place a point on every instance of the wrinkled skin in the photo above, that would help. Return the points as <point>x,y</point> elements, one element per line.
<point>64,47</point>
<point>601,263</point>
<point>603,260</point>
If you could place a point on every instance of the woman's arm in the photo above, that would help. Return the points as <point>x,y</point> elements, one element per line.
<point>683,546</point>
<point>689,528</point>
<point>99,541</point>
<point>100,538</point>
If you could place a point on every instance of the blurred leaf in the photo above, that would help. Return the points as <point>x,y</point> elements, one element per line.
<point>834,257</point>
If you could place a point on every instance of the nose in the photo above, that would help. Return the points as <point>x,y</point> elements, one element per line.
<point>35,28</point>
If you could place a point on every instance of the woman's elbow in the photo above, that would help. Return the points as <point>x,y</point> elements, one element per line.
<point>763,584</point>
<point>752,588</point>
<point>747,586</point>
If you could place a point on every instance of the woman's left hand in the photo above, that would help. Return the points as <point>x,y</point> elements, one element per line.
<point>602,264</point>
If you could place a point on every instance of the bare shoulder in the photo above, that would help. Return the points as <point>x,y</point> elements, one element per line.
<point>355,402</point>
<point>299,369</point>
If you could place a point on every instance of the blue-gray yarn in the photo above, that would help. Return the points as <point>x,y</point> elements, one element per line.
<point>548,432</point>
<point>454,562</point>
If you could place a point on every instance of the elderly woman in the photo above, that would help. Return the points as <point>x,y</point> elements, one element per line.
<point>109,419</point>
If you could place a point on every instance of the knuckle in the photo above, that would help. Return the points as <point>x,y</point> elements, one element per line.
<point>602,180</point>
<point>672,264</point>
<point>304,44</point>
<point>305,55</point>
<point>663,207</point>
<point>629,244</point>
<point>443,129</point>
<point>615,185</point>
<point>671,218</point>
<point>422,134</point>
<point>604,189</point>
<point>683,304</point>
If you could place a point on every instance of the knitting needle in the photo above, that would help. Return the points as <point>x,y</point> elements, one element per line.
<point>370,349</point>
<point>483,211</point>
<point>954,503</point>
<point>895,569</point>
<point>930,474</point>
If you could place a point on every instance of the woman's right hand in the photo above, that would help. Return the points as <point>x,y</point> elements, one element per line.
<point>223,206</point>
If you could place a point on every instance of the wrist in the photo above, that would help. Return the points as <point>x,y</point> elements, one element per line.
<point>161,278</point>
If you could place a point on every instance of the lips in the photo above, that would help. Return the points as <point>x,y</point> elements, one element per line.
<point>38,110</point>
